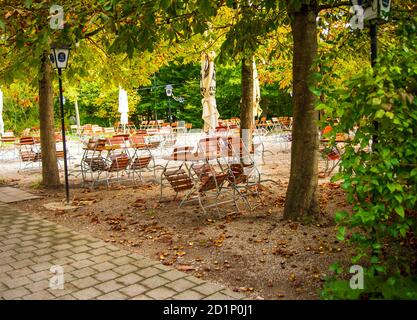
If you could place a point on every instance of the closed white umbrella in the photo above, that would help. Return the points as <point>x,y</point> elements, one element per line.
<point>1,113</point>
<point>257,111</point>
<point>208,91</point>
<point>123,108</point>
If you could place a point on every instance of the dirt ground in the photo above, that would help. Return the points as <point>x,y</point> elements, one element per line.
<point>255,252</point>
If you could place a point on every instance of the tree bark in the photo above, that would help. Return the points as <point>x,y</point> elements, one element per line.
<point>246,110</point>
<point>50,173</point>
<point>301,200</point>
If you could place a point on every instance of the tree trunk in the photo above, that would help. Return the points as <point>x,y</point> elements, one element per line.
<point>50,173</point>
<point>301,200</point>
<point>246,109</point>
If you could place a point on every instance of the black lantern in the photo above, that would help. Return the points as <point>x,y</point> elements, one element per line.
<point>59,58</point>
<point>168,91</point>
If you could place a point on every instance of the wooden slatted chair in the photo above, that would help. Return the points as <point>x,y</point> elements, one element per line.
<point>207,188</point>
<point>244,177</point>
<point>28,152</point>
<point>178,178</point>
<point>142,158</point>
<point>119,164</point>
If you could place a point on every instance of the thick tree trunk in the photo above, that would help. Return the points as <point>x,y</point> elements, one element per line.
<point>301,201</point>
<point>50,173</point>
<point>246,110</point>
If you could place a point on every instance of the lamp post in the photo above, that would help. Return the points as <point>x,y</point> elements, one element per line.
<point>59,58</point>
<point>168,91</point>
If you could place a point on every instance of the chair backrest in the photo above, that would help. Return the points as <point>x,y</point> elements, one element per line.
<point>121,162</point>
<point>96,144</point>
<point>210,146</point>
<point>138,139</point>
<point>116,140</point>
<point>180,152</point>
<point>27,140</point>
<point>212,182</point>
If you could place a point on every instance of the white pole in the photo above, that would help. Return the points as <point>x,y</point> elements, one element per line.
<point>77,116</point>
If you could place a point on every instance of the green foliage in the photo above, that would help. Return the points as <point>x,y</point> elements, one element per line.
<point>380,181</point>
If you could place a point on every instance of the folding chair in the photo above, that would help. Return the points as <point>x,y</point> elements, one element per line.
<point>142,157</point>
<point>93,163</point>
<point>244,177</point>
<point>119,163</point>
<point>178,178</point>
<point>28,152</point>
<point>209,182</point>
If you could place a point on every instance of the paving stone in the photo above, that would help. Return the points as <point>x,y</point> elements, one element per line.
<point>40,275</point>
<point>142,297</point>
<point>173,275</point>
<point>140,261</point>
<point>12,283</point>
<point>133,290</point>
<point>85,282</point>
<point>180,285</point>
<point>218,296</point>
<point>43,258</point>
<point>122,260</point>
<point>41,266</point>
<point>129,279</point>
<point>38,286</point>
<point>106,275</point>
<point>119,253</point>
<point>19,272</point>
<point>62,253</point>
<point>82,263</point>
<point>15,293</point>
<point>96,244</point>
<point>25,255</point>
<point>63,246</point>
<point>113,296</point>
<point>101,258</point>
<point>66,297</point>
<point>154,282</point>
<point>232,294</point>
<point>80,243</point>
<point>208,288</point>
<point>41,295</point>
<point>195,280</point>
<point>81,256</point>
<point>103,266</point>
<point>43,251</point>
<point>4,268</point>
<point>80,249</point>
<point>99,251</point>
<point>148,272</point>
<point>161,293</point>
<point>84,272</point>
<point>188,295</point>
<point>87,294</point>
<point>125,269</point>
<point>22,263</point>
<point>109,286</point>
